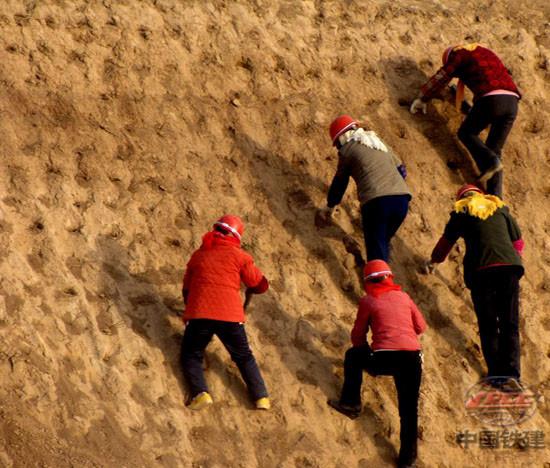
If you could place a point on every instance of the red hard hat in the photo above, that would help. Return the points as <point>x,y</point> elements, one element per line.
<point>376,268</point>
<point>232,223</point>
<point>467,188</point>
<point>446,54</point>
<point>339,125</point>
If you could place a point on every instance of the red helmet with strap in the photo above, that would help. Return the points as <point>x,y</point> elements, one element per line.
<point>340,125</point>
<point>376,268</point>
<point>231,223</point>
<point>467,188</point>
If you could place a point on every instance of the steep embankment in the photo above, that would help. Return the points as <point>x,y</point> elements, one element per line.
<point>128,127</point>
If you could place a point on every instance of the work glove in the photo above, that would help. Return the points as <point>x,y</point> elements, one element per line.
<point>402,169</point>
<point>326,213</point>
<point>465,107</point>
<point>323,217</point>
<point>429,267</point>
<point>417,105</point>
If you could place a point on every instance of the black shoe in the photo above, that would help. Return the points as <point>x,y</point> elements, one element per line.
<point>489,173</point>
<point>351,412</point>
<point>512,385</point>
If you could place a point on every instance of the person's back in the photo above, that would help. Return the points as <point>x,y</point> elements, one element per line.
<point>394,321</point>
<point>211,292</point>
<point>489,231</point>
<point>213,279</point>
<point>495,105</point>
<point>373,171</point>
<point>482,71</point>
<point>492,270</point>
<point>379,175</point>
<point>478,67</point>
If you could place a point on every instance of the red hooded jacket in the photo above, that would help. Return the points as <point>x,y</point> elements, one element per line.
<point>212,280</point>
<point>392,316</point>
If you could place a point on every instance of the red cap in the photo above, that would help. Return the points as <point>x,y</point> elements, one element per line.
<point>231,223</point>
<point>340,125</point>
<point>376,268</point>
<point>467,188</point>
<point>446,54</point>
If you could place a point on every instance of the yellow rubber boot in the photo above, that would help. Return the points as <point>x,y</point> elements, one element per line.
<point>200,401</point>
<point>263,404</point>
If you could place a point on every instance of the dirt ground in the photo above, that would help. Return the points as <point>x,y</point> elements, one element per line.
<point>127,127</point>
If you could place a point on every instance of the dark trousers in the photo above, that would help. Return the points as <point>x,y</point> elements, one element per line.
<point>495,295</point>
<point>381,218</point>
<point>198,334</point>
<point>498,112</point>
<point>406,369</point>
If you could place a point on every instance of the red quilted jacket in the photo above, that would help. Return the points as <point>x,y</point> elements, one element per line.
<point>394,320</point>
<point>480,69</point>
<point>212,280</point>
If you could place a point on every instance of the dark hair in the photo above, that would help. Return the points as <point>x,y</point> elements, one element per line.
<point>377,279</point>
<point>222,230</point>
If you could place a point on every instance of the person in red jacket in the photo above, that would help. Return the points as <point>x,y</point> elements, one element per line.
<point>213,306</point>
<point>395,323</point>
<point>496,99</point>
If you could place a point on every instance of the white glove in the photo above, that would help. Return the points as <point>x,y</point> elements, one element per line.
<point>417,105</point>
<point>429,267</point>
<point>326,212</point>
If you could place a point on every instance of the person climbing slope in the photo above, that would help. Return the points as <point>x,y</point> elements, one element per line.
<point>492,270</point>
<point>395,323</point>
<point>213,306</point>
<point>496,99</point>
<point>380,178</point>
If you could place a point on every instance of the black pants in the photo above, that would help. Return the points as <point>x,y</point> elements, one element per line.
<point>498,112</point>
<point>495,294</point>
<point>381,218</point>
<point>406,369</point>
<point>198,334</point>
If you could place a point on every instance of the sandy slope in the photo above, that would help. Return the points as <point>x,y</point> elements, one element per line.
<point>128,126</point>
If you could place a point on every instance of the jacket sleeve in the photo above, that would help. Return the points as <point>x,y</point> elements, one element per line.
<point>187,280</point>
<point>452,232</point>
<point>396,159</point>
<point>339,184</point>
<point>261,287</point>
<point>515,233</point>
<point>441,78</point>
<point>513,228</point>
<point>361,325</point>
<point>418,319</point>
<point>252,277</point>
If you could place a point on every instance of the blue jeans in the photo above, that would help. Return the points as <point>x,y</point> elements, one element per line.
<point>381,218</point>
<point>196,337</point>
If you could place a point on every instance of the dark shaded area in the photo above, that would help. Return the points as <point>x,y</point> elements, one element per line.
<point>406,79</point>
<point>136,299</point>
<point>295,209</point>
<point>408,274</point>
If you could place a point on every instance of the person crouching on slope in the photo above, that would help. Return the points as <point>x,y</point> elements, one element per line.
<point>380,178</point>
<point>395,323</point>
<point>492,270</point>
<point>496,99</point>
<point>213,306</point>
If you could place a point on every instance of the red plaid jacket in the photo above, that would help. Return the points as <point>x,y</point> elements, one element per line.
<point>480,70</point>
